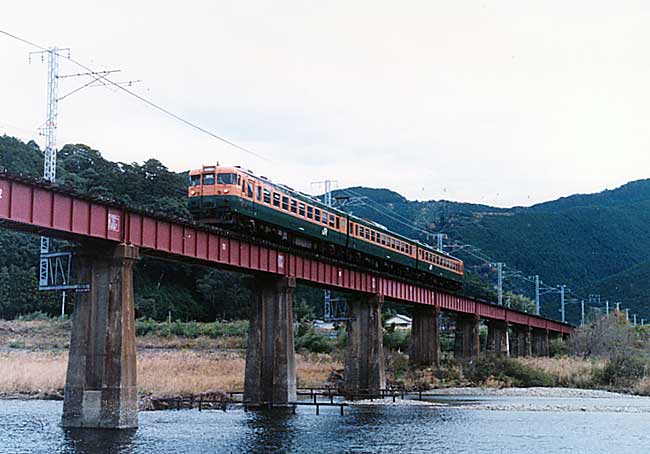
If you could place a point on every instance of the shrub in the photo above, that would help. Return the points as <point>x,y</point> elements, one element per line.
<point>622,371</point>
<point>558,347</point>
<point>144,326</point>
<point>507,370</point>
<point>36,315</point>
<point>313,342</point>
<point>397,340</point>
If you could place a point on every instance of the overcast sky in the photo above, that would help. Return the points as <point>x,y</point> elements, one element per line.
<point>498,102</point>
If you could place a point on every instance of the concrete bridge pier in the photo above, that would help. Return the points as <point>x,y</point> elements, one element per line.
<point>498,337</point>
<point>100,388</point>
<point>364,353</point>
<point>520,341</point>
<point>425,337</point>
<point>539,342</point>
<point>467,343</point>
<point>270,375</point>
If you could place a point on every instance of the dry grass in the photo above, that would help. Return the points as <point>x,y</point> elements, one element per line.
<point>569,371</point>
<point>160,373</point>
<point>32,372</point>
<point>189,372</point>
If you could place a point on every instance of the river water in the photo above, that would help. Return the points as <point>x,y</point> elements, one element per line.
<point>461,425</point>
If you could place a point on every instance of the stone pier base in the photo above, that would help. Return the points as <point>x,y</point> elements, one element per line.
<point>467,343</point>
<point>270,360</point>
<point>100,388</point>
<point>364,353</point>
<point>498,337</point>
<point>425,337</point>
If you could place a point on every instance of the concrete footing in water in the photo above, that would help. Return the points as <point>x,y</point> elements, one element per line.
<point>364,353</point>
<point>100,389</point>
<point>270,375</point>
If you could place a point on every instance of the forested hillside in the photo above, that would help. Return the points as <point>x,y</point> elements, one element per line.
<point>593,243</point>
<point>162,288</point>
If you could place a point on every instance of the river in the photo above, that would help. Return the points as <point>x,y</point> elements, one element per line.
<point>458,424</point>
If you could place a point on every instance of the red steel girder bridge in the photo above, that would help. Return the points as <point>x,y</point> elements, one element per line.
<point>113,236</point>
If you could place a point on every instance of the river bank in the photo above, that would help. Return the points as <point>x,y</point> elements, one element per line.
<point>176,359</point>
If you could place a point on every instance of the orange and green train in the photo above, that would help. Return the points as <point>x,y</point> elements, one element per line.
<point>238,198</point>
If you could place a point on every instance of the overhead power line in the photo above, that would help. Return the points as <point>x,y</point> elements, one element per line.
<point>142,98</point>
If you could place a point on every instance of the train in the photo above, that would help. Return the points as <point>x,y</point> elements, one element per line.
<point>236,198</point>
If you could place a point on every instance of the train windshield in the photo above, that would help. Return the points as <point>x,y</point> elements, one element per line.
<point>208,179</point>
<point>227,178</point>
<point>195,180</point>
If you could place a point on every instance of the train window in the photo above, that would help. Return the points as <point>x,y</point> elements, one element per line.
<point>383,240</point>
<point>208,179</point>
<point>310,212</point>
<point>367,234</point>
<point>332,220</point>
<point>285,202</point>
<point>249,186</point>
<point>243,188</point>
<point>338,222</point>
<point>238,179</point>
<point>195,180</point>
<point>276,199</point>
<point>294,206</point>
<point>356,229</point>
<point>361,231</point>
<point>227,178</point>
<point>392,243</point>
<point>259,193</point>
<point>317,215</point>
<point>325,217</point>
<point>267,196</point>
<point>301,209</point>
<point>372,236</point>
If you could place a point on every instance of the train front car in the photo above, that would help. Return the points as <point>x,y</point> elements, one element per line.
<point>217,195</point>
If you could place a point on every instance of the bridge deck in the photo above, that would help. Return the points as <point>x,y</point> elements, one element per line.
<point>37,207</point>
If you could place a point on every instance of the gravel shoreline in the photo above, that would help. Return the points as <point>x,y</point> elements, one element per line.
<point>529,392</point>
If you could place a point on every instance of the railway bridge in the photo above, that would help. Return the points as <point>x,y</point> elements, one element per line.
<point>101,387</point>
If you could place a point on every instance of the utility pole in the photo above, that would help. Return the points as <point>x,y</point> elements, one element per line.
<point>582,310</point>
<point>537,307</point>
<point>618,307</point>
<point>627,314</point>
<point>439,241</point>
<point>327,294</point>
<point>562,287</point>
<point>49,157</point>
<point>607,307</point>
<point>634,317</point>
<point>499,266</point>
<point>54,267</point>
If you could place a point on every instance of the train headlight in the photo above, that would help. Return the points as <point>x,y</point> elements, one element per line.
<point>225,191</point>
<point>192,192</point>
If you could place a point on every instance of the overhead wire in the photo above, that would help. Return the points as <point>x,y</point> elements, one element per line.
<point>142,99</point>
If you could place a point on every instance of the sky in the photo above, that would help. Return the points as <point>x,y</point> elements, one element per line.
<point>496,102</point>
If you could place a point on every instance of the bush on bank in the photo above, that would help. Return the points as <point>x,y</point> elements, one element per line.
<point>212,330</point>
<point>507,370</point>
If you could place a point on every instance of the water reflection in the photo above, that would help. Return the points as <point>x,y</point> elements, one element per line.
<point>270,431</point>
<point>99,441</point>
<point>33,427</point>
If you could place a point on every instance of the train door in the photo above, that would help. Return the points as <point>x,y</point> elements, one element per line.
<point>247,195</point>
